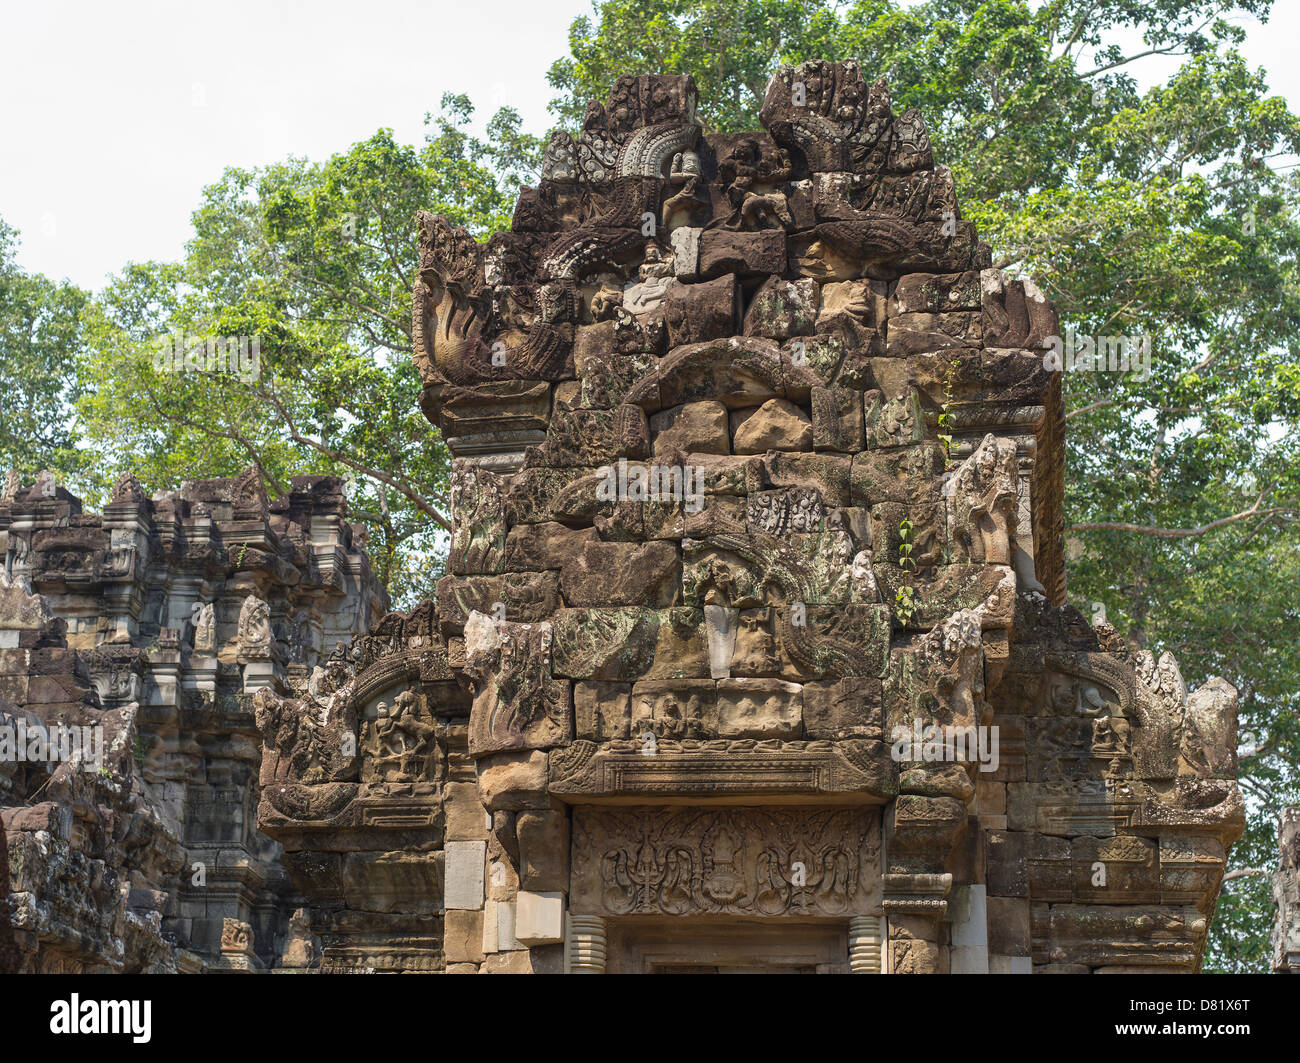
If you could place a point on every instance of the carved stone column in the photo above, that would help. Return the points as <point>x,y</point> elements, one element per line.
<point>866,940</point>
<point>586,944</point>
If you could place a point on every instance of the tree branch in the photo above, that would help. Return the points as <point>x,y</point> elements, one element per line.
<point>1183,533</point>
<point>375,474</point>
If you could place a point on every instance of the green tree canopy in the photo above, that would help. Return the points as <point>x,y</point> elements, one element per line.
<point>316,261</point>
<point>40,333</point>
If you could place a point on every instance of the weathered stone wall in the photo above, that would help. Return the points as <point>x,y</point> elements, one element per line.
<point>156,621</point>
<point>759,470</point>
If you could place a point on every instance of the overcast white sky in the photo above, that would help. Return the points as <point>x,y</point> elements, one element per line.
<point>114,115</point>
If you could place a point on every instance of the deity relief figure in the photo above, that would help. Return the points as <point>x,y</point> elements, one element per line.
<point>862,579</point>
<point>396,742</point>
<point>305,643</point>
<point>751,209</point>
<point>895,422</point>
<point>203,617</point>
<point>755,649</point>
<point>605,303</point>
<point>1105,738</point>
<point>254,628</point>
<point>655,275</point>
<point>236,937</point>
<point>686,177</point>
<point>301,949</point>
<point>127,489</point>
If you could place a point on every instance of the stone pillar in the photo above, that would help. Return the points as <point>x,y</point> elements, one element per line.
<point>970,938</point>
<point>586,944</point>
<point>866,940</point>
<point>917,908</point>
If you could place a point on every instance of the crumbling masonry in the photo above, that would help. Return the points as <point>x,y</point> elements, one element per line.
<point>758,467</point>
<point>153,624</point>
<point>757,490</point>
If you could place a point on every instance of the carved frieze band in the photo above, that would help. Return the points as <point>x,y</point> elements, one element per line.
<point>724,860</point>
<point>590,772</point>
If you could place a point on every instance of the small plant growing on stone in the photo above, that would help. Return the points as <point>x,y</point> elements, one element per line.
<point>905,598</point>
<point>139,750</point>
<point>104,773</point>
<point>905,602</point>
<point>945,416</point>
<point>905,545</point>
<point>239,554</point>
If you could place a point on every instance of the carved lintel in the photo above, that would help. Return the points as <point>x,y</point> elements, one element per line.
<point>857,771</point>
<point>814,862</point>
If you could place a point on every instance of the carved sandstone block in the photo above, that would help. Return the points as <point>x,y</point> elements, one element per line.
<point>781,309</point>
<point>601,710</point>
<point>518,705</point>
<point>542,547</point>
<point>827,472</point>
<point>525,598</point>
<point>681,650</point>
<point>612,574</point>
<point>761,253</point>
<point>726,860</point>
<point>935,293</point>
<point>614,644</point>
<point>843,708</point>
<point>674,708</point>
<point>837,420</point>
<point>543,850</point>
<point>776,425</point>
<point>861,300</point>
<point>1015,313</point>
<point>759,708</point>
<point>696,427</point>
<point>512,781</point>
<point>907,476</point>
<point>702,311</point>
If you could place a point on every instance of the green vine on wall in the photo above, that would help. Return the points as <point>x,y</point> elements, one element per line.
<point>945,416</point>
<point>905,598</point>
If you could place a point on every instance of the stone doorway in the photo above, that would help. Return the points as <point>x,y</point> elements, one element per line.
<point>696,946</point>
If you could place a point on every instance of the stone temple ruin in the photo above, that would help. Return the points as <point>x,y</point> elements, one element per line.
<point>753,651</point>
<point>152,625</point>
<point>757,466</point>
